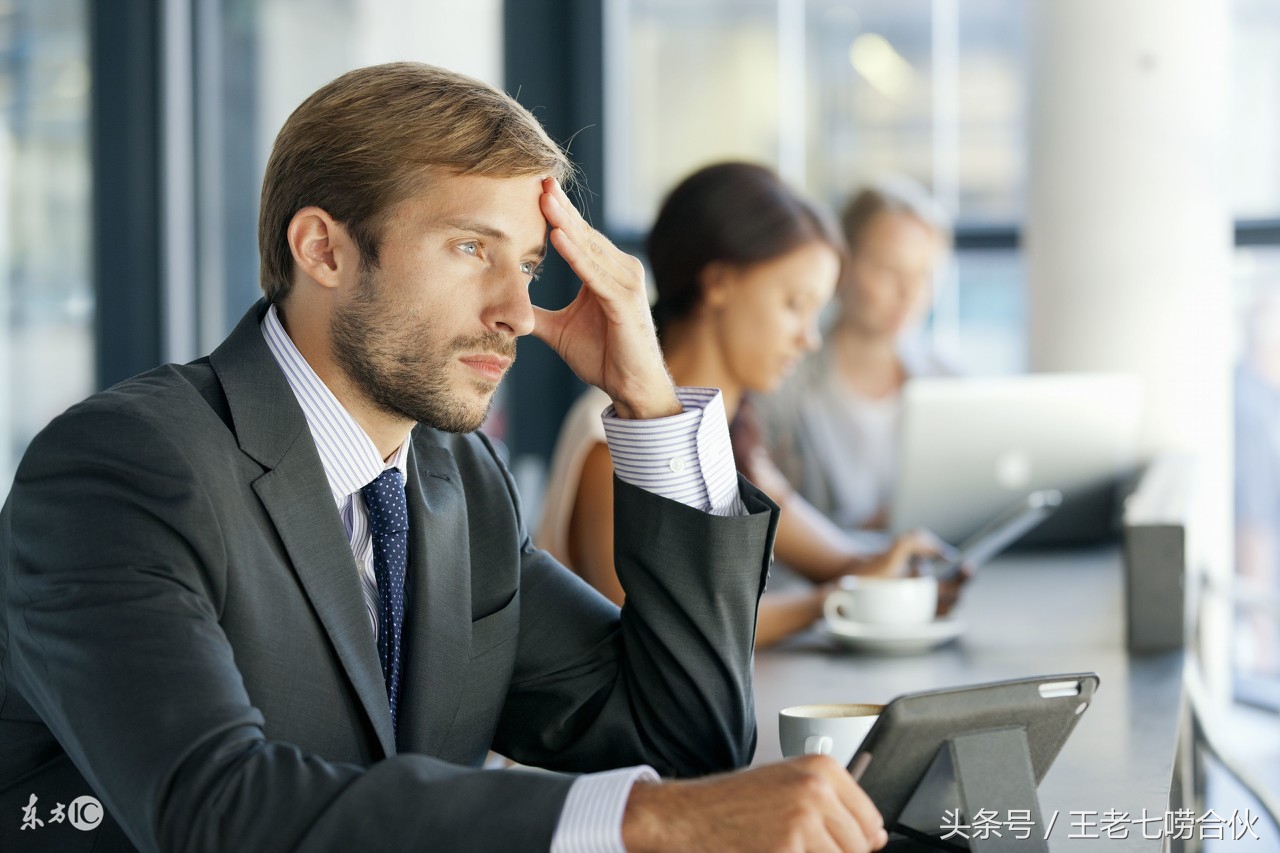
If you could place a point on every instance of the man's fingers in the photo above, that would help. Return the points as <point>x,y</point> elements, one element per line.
<point>562,214</point>
<point>592,245</point>
<point>860,807</point>
<point>825,841</point>
<point>845,831</point>
<point>850,817</point>
<point>587,268</point>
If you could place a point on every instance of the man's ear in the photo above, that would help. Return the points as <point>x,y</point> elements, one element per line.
<point>322,250</point>
<point>715,281</point>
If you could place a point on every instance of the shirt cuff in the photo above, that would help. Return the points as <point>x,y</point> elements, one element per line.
<point>591,820</point>
<point>685,457</point>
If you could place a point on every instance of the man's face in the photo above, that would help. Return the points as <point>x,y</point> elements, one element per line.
<point>430,332</point>
<point>889,278</point>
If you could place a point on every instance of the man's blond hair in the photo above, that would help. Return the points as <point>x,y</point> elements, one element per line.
<point>371,139</point>
<point>892,194</point>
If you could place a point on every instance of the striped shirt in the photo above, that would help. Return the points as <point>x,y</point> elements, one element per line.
<point>349,456</point>
<point>685,457</point>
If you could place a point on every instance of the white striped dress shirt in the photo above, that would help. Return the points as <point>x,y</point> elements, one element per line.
<point>350,458</point>
<point>685,457</point>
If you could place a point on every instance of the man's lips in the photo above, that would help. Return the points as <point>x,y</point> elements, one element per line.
<point>492,367</point>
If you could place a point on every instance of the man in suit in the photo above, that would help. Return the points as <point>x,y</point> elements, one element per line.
<point>284,598</point>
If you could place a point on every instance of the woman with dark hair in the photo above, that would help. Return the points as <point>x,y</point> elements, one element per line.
<point>743,266</point>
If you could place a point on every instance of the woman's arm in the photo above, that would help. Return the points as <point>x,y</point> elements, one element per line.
<point>591,525</point>
<point>782,614</point>
<point>814,546</point>
<point>591,552</point>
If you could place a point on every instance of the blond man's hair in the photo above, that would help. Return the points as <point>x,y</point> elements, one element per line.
<point>892,194</point>
<point>373,137</point>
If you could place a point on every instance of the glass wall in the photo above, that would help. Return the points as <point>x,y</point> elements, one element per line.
<point>834,95</point>
<point>831,93</point>
<point>46,297</point>
<point>250,62</point>
<point>1257,476</point>
<point>1255,193</point>
<point>930,89</point>
<point>692,83</point>
<point>1255,109</point>
<point>256,60</point>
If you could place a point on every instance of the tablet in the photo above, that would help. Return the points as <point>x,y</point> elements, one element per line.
<point>999,533</point>
<point>892,762</point>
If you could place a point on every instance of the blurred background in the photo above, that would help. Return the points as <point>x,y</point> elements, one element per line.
<point>1113,171</point>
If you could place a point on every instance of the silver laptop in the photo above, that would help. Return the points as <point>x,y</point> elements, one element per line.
<point>969,447</point>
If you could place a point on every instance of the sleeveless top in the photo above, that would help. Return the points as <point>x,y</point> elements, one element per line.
<point>582,429</point>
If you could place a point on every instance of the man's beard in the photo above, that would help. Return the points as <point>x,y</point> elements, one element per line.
<point>393,364</point>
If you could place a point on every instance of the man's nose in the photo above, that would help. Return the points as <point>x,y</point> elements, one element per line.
<point>511,310</point>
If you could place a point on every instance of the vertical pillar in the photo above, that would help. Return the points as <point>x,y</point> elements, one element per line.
<point>552,63</point>
<point>125,151</point>
<point>1128,233</point>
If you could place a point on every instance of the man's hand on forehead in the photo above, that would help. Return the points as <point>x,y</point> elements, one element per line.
<point>606,334</point>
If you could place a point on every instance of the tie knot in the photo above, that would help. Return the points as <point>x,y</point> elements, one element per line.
<point>391,478</point>
<point>385,499</point>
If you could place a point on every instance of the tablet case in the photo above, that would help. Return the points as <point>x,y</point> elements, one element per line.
<point>959,750</point>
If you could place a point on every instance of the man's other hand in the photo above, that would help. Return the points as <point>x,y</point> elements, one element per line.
<point>801,804</point>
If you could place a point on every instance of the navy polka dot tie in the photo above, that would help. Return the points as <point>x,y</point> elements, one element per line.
<point>389,527</point>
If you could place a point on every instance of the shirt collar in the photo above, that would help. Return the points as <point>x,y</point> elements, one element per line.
<point>349,457</point>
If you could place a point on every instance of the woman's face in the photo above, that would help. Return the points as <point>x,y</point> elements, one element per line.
<point>887,283</point>
<point>765,316</point>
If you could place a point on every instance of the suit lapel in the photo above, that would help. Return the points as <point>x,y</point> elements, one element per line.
<point>438,631</point>
<point>297,497</point>
<point>271,429</point>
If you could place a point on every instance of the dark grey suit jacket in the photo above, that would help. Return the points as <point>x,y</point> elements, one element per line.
<point>183,635</point>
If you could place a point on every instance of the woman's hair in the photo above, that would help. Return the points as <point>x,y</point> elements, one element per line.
<point>892,194</point>
<point>734,213</point>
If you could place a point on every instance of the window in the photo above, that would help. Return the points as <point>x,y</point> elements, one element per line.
<point>46,298</point>
<point>1256,647</point>
<point>833,95</point>
<point>255,62</point>
<point>835,92</point>
<point>1255,109</point>
<point>1255,195</point>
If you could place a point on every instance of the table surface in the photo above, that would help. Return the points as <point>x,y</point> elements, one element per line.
<point>1025,615</point>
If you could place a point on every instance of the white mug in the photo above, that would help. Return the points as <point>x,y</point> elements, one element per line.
<point>835,730</point>
<point>883,601</point>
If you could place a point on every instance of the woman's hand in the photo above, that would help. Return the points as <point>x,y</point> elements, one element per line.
<point>902,557</point>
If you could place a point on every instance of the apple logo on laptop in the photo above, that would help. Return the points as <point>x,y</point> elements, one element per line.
<point>1013,469</point>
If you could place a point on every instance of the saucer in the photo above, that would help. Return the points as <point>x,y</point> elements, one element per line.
<point>911,639</point>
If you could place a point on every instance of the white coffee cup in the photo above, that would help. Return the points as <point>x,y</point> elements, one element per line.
<point>883,601</point>
<point>835,730</point>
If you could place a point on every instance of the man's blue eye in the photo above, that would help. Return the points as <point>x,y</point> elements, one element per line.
<point>470,248</point>
<point>531,269</point>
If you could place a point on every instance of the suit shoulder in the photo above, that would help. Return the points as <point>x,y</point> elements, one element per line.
<point>172,400</point>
